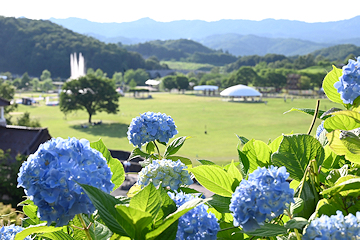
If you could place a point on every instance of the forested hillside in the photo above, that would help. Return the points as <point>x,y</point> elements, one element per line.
<point>34,45</point>
<point>181,50</point>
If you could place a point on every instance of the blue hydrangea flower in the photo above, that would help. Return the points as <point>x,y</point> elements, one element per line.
<point>262,197</point>
<point>319,129</point>
<point>334,227</point>
<point>9,232</point>
<point>197,223</point>
<point>49,177</point>
<point>150,127</point>
<point>166,172</point>
<point>349,83</point>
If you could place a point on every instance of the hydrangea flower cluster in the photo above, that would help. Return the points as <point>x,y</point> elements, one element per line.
<point>196,223</point>
<point>167,172</point>
<point>49,177</point>
<point>262,197</point>
<point>349,83</point>
<point>150,127</point>
<point>334,227</point>
<point>9,232</point>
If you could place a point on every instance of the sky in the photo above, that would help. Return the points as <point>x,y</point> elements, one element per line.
<point>171,10</point>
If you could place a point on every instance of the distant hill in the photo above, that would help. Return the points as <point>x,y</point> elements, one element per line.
<point>338,52</point>
<point>239,37</point>
<point>35,45</point>
<point>181,50</point>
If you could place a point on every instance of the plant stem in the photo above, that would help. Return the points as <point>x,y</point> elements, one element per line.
<point>314,117</point>
<point>225,229</point>
<point>86,230</point>
<point>157,148</point>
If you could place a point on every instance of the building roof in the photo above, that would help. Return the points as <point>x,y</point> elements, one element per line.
<point>240,91</point>
<point>23,140</point>
<point>4,102</point>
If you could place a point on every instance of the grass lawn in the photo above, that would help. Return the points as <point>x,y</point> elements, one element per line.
<point>186,65</point>
<point>193,115</point>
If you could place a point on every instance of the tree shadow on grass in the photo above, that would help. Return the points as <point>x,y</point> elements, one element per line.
<point>118,130</point>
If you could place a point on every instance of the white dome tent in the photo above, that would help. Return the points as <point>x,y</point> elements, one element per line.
<point>240,91</point>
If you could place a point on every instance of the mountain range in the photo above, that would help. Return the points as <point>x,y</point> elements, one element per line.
<point>238,37</point>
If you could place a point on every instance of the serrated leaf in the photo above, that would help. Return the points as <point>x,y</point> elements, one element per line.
<point>337,145</point>
<point>308,111</point>
<point>167,207</point>
<point>174,146</point>
<point>258,153</point>
<point>328,85</point>
<point>169,220</point>
<point>343,120</point>
<point>40,228</point>
<point>147,200</point>
<point>214,179</point>
<point>234,172</point>
<point>297,206</point>
<point>220,203</point>
<point>206,162</point>
<point>59,235</point>
<point>268,230</point>
<point>274,145</point>
<point>150,147</point>
<point>350,141</point>
<point>295,153</point>
<point>136,152</point>
<point>352,184</point>
<point>296,222</point>
<point>116,167</point>
<point>242,139</point>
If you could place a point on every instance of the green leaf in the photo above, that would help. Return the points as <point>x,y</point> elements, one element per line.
<point>350,141</point>
<point>234,172</point>
<point>308,111</point>
<point>115,165</point>
<point>167,207</point>
<point>230,234</point>
<point>242,139</point>
<point>297,206</point>
<point>331,159</point>
<point>40,228</point>
<point>105,204</point>
<point>206,162</point>
<point>59,235</point>
<point>328,85</point>
<point>258,154</point>
<point>244,163</point>
<point>296,222</point>
<point>150,147</point>
<point>220,203</point>
<point>138,219</point>
<point>184,160</point>
<point>174,146</point>
<point>353,184</point>
<point>325,207</point>
<point>214,179</point>
<point>343,120</point>
<point>138,153</point>
<point>308,196</point>
<point>169,220</point>
<point>337,145</point>
<point>147,200</point>
<point>274,145</point>
<point>295,152</point>
<point>268,230</point>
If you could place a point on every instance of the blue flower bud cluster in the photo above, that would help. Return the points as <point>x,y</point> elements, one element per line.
<point>262,197</point>
<point>150,127</point>
<point>334,227</point>
<point>50,176</point>
<point>349,83</point>
<point>9,232</point>
<point>165,172</point>
<point>196,223</point>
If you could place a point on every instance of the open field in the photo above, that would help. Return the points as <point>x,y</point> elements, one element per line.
<point>186,65</point>
<point>193,115</point>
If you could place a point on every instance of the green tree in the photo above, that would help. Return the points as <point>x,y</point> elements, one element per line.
<point>25,80</point>
<point>25,120</point>
<point>45,75</point>
<point>304,82</point>
<point>139,75</point>
<point>117,78</point>
<point>182,82</point>
<point>169,82</point>
<point>132,83</point>
<point>17,82</point>
<point>35,84</point>
<point>92,93</point>
<point>46,85</point>
<point>100,73</point>
<point>7,91</point>
<point>243,75</point>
